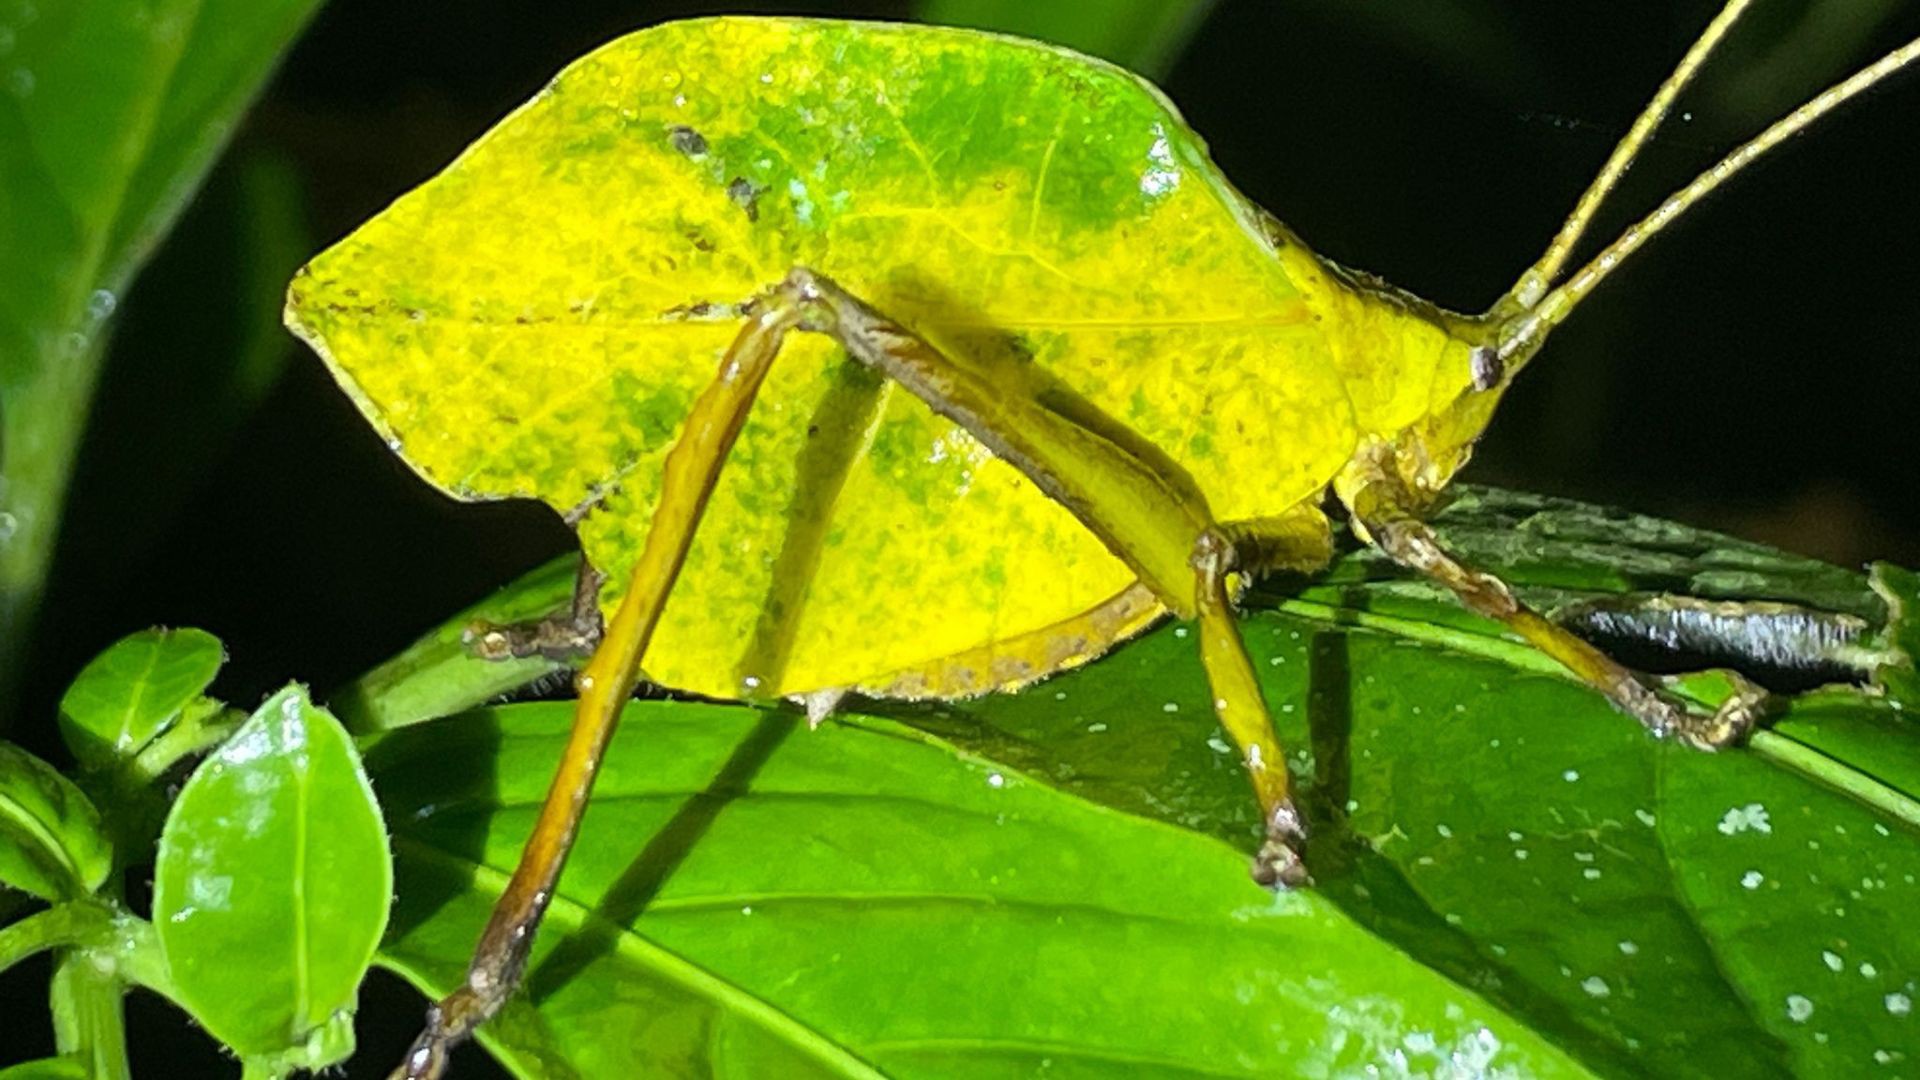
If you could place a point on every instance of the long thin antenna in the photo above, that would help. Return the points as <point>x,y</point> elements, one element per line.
<point>1540,277</point>
<point>1529,330</point>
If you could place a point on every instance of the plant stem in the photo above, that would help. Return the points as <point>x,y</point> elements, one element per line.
<point>87,1020</point>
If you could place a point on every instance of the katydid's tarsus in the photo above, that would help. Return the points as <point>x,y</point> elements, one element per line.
<point>987,324</point>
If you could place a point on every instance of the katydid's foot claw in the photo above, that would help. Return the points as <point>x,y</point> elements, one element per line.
<point>1668,717</point>
<point>448,1024</point>
<point>1279,864</point>
<point>565,637</point>
<point>1729,725</point>
<point>559,639</point>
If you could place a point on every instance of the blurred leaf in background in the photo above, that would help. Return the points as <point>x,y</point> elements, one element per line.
<point>111,113</point>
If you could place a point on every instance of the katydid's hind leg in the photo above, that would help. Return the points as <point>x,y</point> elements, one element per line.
<point>565,636</point>
<point>1380,515</point>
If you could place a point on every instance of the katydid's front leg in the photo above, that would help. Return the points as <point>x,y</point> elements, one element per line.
<point>692,467</point>
<point>564,636</point>
<point>1385,515</point>
<point>1143,506</point>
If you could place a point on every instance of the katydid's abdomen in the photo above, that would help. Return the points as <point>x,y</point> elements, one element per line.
<point>1024,210</point>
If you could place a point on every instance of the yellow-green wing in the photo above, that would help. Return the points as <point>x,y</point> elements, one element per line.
<point>535,321</point>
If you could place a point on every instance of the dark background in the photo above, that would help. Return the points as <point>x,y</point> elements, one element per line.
<point>1757,370</point>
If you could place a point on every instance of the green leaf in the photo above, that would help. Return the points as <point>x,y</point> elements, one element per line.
<point>275,853</point>
<point>1640,907</point>
<point>51,842</point>
<point>110,114</point>
<point>134,691</point>
<point>1900,588</point>
<point>58,1068</point>
<point>1510,830</point>
<point>751,899</point>
<point>1145,35</point>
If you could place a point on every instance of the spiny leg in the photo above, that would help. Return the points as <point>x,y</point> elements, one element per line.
<point>692,467</point>
<point>1384,515</point>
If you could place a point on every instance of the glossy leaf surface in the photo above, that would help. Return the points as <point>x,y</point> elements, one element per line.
<point>1641,907</point>
<point>869,901</point>
<point>272,884</point>
<point>51,841</point>
<point>133,691</point>
<point>537,319</point>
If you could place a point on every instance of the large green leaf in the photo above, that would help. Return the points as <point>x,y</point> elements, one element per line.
<point>1642,908</point>
<point>753,900</point>
<point>110,113</point>
<point>271,886</point>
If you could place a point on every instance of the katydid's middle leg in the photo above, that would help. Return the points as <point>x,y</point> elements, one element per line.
<point>1139,502</point>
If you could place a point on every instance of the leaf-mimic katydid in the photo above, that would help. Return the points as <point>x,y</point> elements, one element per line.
<point>1006,371</point>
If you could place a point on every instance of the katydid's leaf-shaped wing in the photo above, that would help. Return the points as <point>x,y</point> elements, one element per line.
<point>272,886</point>
<point>536,320</point>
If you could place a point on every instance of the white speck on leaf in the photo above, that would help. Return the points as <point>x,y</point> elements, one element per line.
<point>1742,818</point>
<point>1163,175</point>
<point>1798,1008</point>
